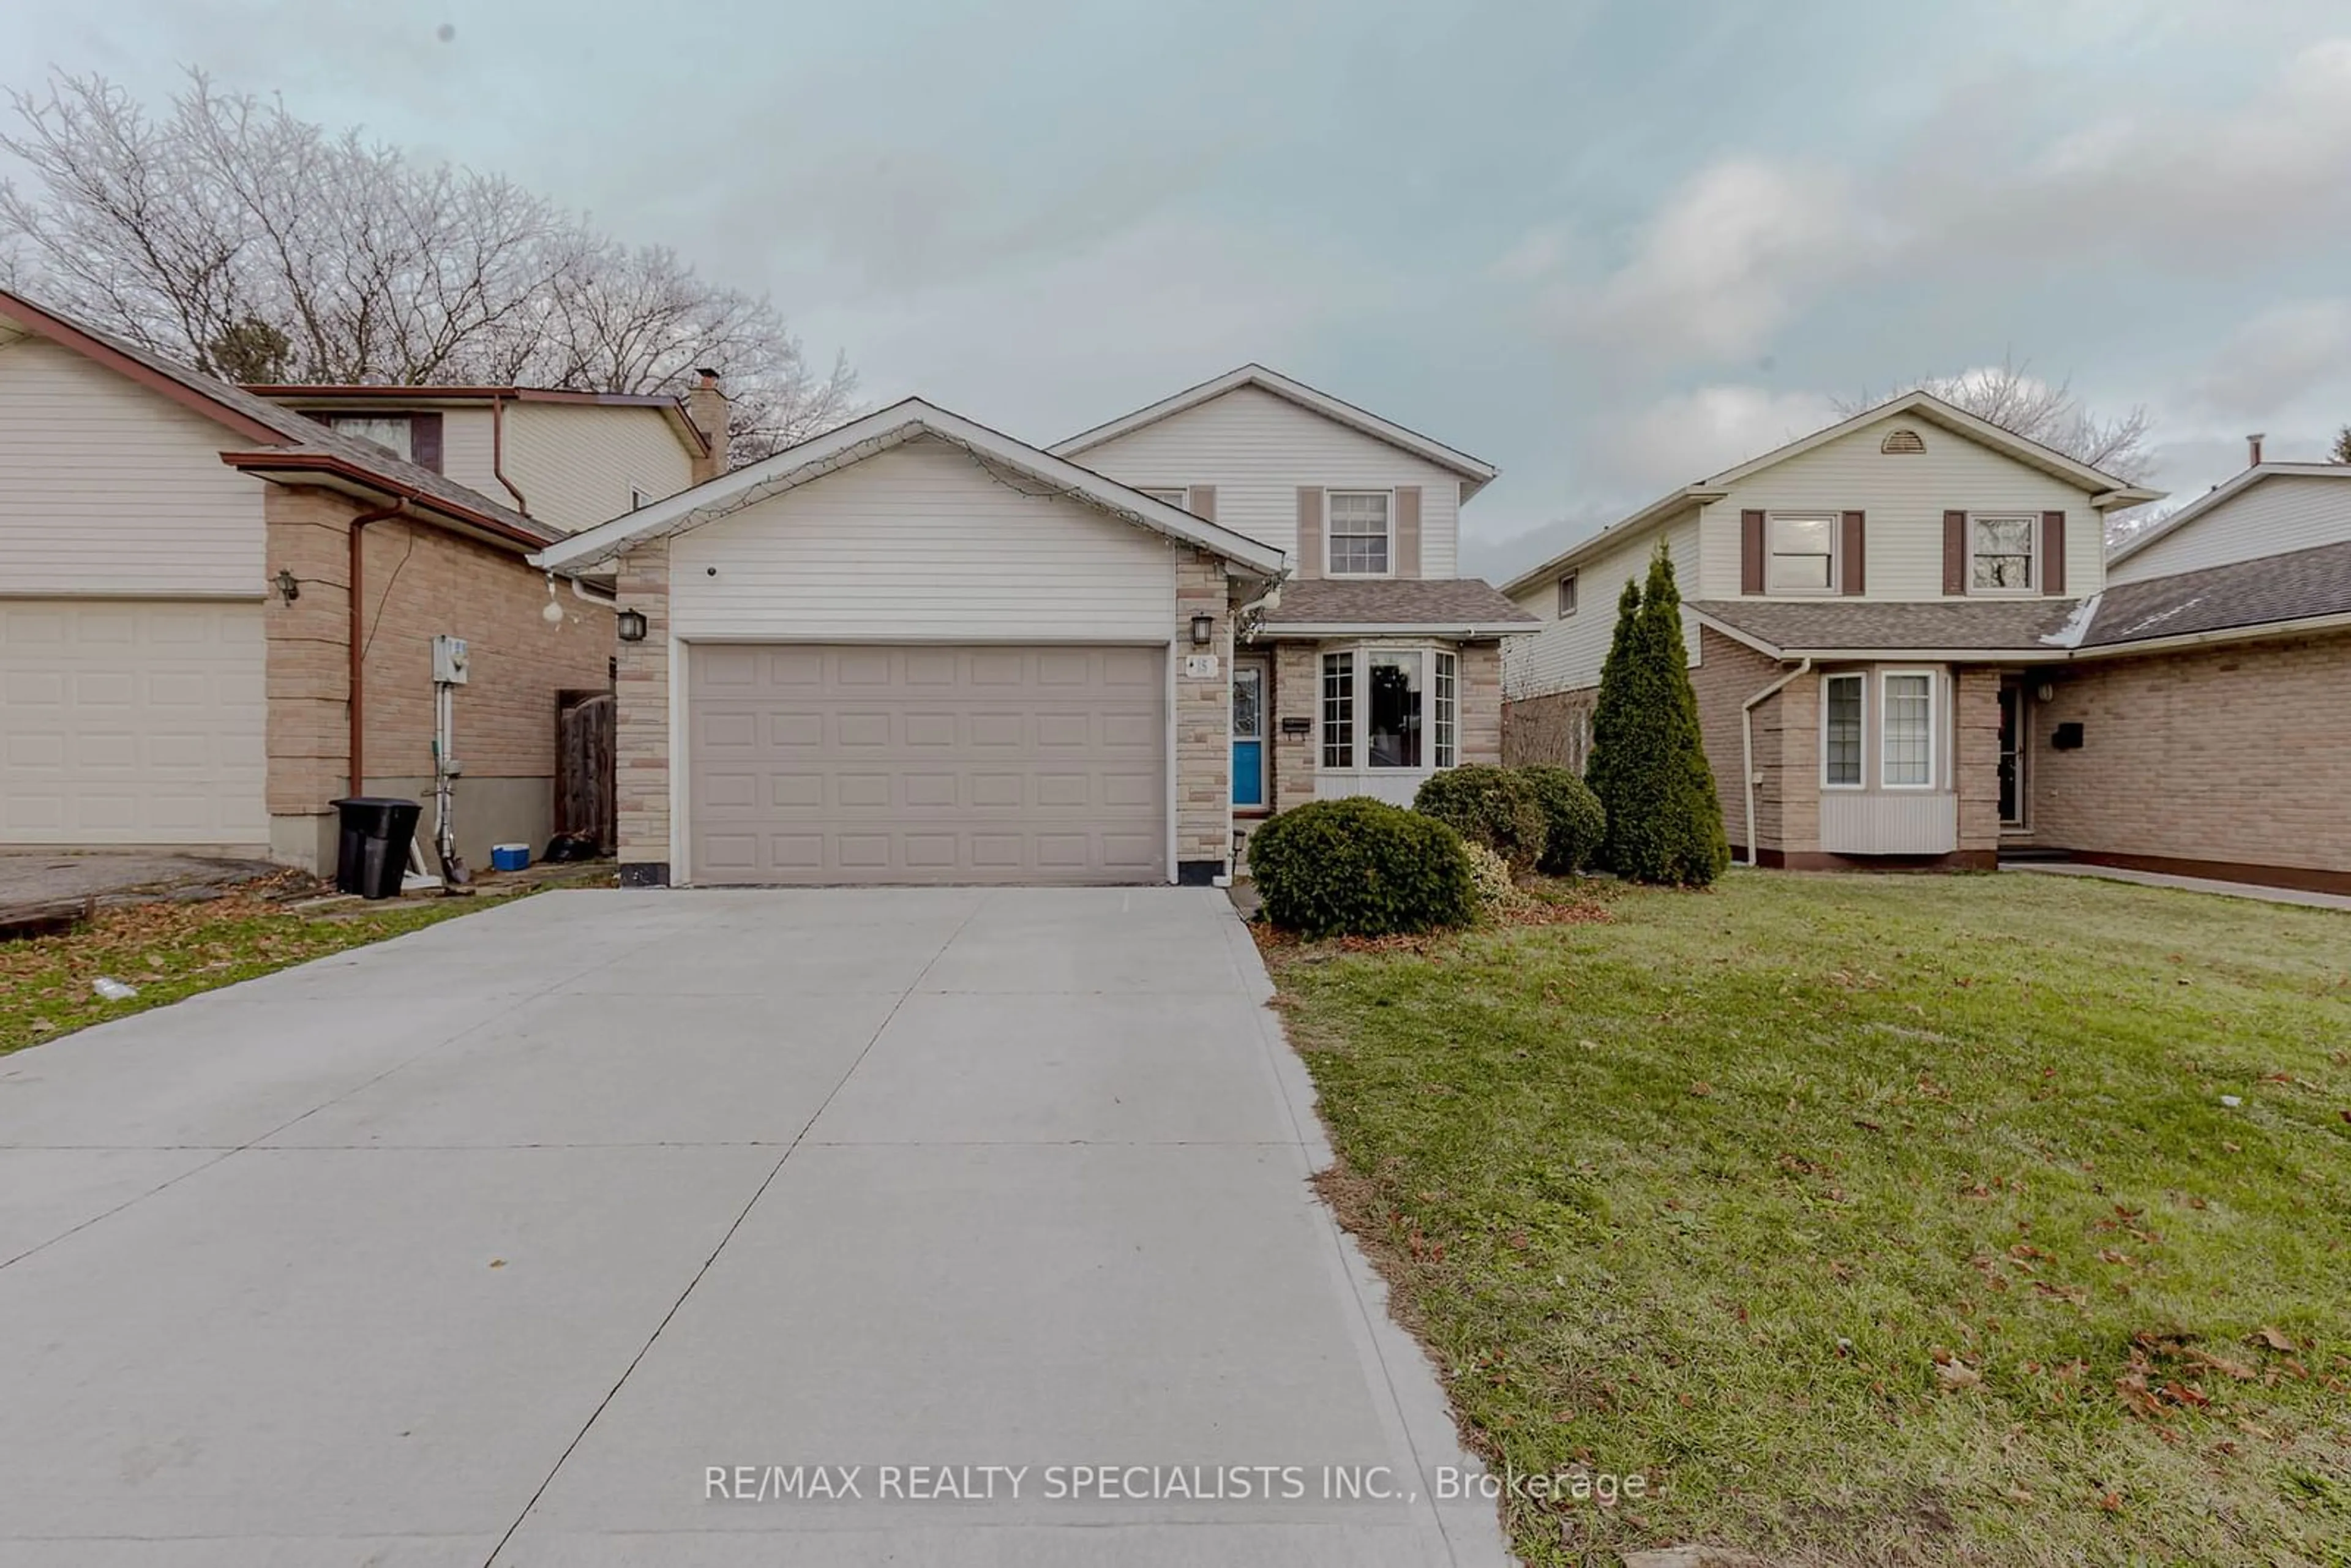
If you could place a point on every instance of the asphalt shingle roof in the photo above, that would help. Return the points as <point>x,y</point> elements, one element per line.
<point>1988,624</point>
<point>2294,586</point>
<point>1395,601</point>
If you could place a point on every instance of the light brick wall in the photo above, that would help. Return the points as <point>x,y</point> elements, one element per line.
<point>1787,801</point>
<point>1204,715</point>
<point>2235,754</point>
<point>642,739</point>
<point>1297,694</point>
<point>418,581</point>
<point>1478,701</point>
<point>1975,714</point>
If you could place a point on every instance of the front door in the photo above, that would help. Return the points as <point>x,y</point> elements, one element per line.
<point>2012,755</point>
<point>1249,732</point>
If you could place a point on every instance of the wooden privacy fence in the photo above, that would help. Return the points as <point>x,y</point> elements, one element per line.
<point>586,783</point>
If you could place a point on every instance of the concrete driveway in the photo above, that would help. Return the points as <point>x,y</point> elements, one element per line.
<point>576,1231</point>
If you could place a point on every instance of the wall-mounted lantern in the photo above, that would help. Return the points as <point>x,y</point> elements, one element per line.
<point>631,624</point>
<point>1204,631</point>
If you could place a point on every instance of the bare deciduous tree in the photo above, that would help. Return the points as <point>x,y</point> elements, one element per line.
<point>2010,396</point>
<point>254,244</point>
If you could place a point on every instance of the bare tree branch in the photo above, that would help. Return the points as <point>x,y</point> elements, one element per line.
<point>232,235</point>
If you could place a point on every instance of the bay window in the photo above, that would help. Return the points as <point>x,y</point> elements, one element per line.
<point>1409,715</point>
<point>1394,734</point>
<point>1338,710</point>
<point>1444,715</point>
<point>1906,712</point>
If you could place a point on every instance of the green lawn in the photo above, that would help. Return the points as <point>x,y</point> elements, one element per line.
<point>173,950</point>
<point>1872,1219</point>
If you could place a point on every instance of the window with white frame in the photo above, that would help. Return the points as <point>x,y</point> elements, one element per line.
<point>1410,717</point>
<point>1442,713</point>
<point>1999,552</point>
<point>1357,534</point>
<point>1338,710</point>
<point>1842,697</point>
<point>1173,495</point>
<point>1567,596</point>
<point>1907,720</point>
<point>1803,548</point>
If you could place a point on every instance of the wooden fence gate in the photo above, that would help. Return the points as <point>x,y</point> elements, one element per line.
<point>586,782</point>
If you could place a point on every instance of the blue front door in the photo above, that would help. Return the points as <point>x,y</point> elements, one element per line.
<point>1249,734</point>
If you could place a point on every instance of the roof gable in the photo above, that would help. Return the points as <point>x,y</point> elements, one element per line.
<point>2220,496</point>
<point>860,439</point>
<point>1475,473</point>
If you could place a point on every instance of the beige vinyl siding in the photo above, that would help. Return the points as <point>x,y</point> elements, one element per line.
<point>920,543</point>
<point>1256,449</point>
<point>469,450</point>
<point>2286,512</point>
<point>577,462</point>
<point>1904,496</point>
<point>107,487</point>
<point>1566,656</point>
<point>133,722</point>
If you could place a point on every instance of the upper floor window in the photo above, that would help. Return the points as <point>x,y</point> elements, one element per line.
<point>1358,533</point>
<point>1999,552</point>
<point>1567,596</point>
<point>395,432</point>
<point>1803,552</point>
<point>1168,494</point>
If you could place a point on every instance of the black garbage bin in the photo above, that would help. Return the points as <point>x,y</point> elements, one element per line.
<point>372,855</point>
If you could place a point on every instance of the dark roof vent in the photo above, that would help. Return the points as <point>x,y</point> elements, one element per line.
<point>1902,441</point>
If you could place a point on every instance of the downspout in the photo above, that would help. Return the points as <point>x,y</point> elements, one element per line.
<point>498,454</point>
<point>1747,750</point>
<point>359,642</point>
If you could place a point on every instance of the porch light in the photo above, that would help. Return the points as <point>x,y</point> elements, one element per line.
<point>631,624</point>
<point>1204,631</point>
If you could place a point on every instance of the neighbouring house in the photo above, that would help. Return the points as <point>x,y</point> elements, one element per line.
<point>569,459</point>
<point>916,650</point>
<point>180,666</point>
<point>1871,613</point>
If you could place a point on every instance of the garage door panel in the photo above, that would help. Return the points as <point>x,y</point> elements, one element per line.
<point>130,723</point>
<point>927,764</point>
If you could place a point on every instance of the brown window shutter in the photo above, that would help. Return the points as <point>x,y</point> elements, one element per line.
<point>2053,552</point>
<point>1955,552</point>
<point>1407,531</point>
<point>1202,502</point>
<point>1750,552</point>
<point>1852,566</point>
<point>424,441</point>
<point>1310,532</point>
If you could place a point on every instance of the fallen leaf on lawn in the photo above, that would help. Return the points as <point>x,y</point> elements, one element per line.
<point>2232,1148</point>
<point>2277,1341</point>
<point>1959,1375</point>
<point>2236,1369</point>
<point>2109,1501</point>
<point>2018,1494</point>
<point>1701,1089</point>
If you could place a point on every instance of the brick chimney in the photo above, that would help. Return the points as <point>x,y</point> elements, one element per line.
<point>707,405</point>
<point>2254,449</point>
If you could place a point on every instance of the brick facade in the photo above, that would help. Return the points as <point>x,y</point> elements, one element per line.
<point>641,741</point>
<point>418,579</point>
<point>1297,694</point>
<point>1477,700</point>
<point>1975,716</point>
<point>2230,760</point>
<point>1203,715</point>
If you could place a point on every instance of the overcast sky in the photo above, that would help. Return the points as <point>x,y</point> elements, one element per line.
<point>1610,248</point>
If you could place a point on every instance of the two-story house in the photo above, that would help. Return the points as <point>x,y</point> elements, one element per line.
<point>915,649</point>
<point>217,613</point>
<point>1871,614</point>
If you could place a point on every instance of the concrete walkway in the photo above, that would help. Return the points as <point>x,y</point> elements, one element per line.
<point>573,1232</point>
<point>2187,884</point>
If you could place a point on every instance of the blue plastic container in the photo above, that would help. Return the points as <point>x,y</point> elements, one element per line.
<point>509,857</point>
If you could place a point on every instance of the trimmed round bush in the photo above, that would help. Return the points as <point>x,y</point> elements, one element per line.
<point>1576,824</point>
<point>1360,867</point>
<point>1495,807</point>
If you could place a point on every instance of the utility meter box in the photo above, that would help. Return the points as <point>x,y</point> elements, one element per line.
<point>449,660</point>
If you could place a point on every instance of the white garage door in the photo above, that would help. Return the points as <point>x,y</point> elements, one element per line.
<point>923,764</point>
<point>130,722</point>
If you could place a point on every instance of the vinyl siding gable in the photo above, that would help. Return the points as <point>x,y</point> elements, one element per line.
<point>577,462</point>
<point>918,542</point>
<point>109,488</point>
<point>1904,496</point>
<point>1257,449</point>
<point>2283,512</point>
<point>1566,654</point>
